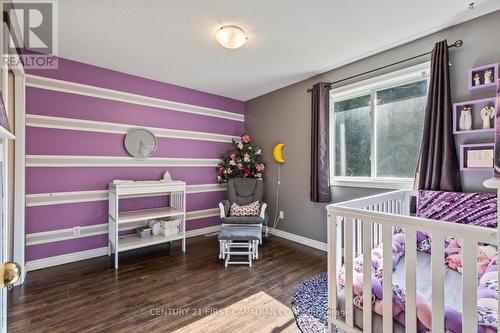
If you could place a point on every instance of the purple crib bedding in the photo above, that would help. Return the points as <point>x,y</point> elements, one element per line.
<point>453,292</point>
<point>467,208</point>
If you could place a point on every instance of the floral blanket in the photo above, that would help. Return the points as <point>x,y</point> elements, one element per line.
<point>487,283</point>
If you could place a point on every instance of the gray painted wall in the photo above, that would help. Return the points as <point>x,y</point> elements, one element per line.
<point>284,116</point>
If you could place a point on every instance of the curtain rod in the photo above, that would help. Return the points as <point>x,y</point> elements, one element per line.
<point>457,44</point>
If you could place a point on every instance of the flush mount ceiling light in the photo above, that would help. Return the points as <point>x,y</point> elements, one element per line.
<point>231,36</point>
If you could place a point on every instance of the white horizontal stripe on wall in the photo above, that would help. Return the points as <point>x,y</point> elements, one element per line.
<point>102,251</point>
<point>58,198</point>
<point>120,96</point>
<point>115,161</point>
<point>33,120</point>
<point>101,229</point>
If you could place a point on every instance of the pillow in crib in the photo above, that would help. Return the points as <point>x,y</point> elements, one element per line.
<point>252,209</point>
<point>478,209</point>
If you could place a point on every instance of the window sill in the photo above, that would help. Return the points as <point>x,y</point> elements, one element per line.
<point>390,184</point>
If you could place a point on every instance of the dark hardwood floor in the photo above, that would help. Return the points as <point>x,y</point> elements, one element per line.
<point>157,289</point>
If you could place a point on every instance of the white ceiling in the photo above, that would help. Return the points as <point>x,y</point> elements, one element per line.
<point>289,40</point>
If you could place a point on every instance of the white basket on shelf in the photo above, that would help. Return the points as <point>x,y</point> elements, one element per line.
<point>166,227</point>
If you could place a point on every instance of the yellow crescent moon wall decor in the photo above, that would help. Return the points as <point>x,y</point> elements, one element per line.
<point>277,153</point>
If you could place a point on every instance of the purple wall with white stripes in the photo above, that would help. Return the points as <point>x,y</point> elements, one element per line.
<point>47,138</point>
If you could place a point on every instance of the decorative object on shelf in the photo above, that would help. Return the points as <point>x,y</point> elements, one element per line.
<point>487,113</point>
<point>167,177</point>
<point>155,227</point>
<point>244,161</point>
<point>476,156</point>
<point>144,232</point>
<point>461,118</point>
<point>166,227</point>
<point>480,158</point>
<point>465,123</point>
<point>477,80</point>
<point>140,143</point>
<point>482,77</point>
<point>488,76</point>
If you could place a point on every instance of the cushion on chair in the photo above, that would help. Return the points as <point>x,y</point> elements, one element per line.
<point>252,209</point>
<point>239,233</point>
<point>242,220</point>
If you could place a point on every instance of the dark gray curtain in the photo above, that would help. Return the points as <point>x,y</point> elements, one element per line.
<point>437,167</point>
<point>320,138</point>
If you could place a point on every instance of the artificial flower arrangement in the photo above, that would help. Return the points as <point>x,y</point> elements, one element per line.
<point>244,161</point>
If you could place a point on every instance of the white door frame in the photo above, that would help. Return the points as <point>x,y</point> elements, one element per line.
<point>20,170</point>
<point>19,149</point>
<point>4,228</point>
<point>19,176</point>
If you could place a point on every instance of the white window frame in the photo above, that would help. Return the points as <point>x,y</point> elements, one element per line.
<point>369,87</point>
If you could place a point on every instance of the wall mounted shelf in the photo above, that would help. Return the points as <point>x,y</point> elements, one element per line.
<point>477,122</point>
<point>480,71</point>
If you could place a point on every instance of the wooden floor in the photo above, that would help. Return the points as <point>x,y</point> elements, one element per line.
<point>160,289</point>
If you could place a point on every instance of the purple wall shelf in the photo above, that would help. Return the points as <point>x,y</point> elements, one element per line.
<point>477,122</point>
<point>477,146</point>
<point>481,70</point>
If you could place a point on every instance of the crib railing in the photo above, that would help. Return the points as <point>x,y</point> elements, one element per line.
<point>356,227</point>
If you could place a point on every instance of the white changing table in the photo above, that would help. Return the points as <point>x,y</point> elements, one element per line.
<point>131,219</point>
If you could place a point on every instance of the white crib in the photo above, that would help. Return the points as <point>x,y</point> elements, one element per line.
<point>355,227</point>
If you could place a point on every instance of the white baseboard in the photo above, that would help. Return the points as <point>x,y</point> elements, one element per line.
<point>65,258</point>
<point>102,251</point>
<point>299,239</point>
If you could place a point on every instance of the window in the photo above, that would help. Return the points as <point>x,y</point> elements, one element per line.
<point>376,128</point>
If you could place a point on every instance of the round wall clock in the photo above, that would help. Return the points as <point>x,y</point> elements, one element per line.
<point>140,143</point>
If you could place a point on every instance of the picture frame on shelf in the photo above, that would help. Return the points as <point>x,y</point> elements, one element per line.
<point>478,156</point>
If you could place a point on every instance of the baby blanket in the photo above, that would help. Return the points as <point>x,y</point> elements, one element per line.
<point>487,269</point>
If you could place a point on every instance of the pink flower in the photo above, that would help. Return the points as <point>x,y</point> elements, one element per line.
<point>245,138</point>
<point>240,166</point>
<point>260,167</point>
<point>232,156</point>
<point>454,261</point>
